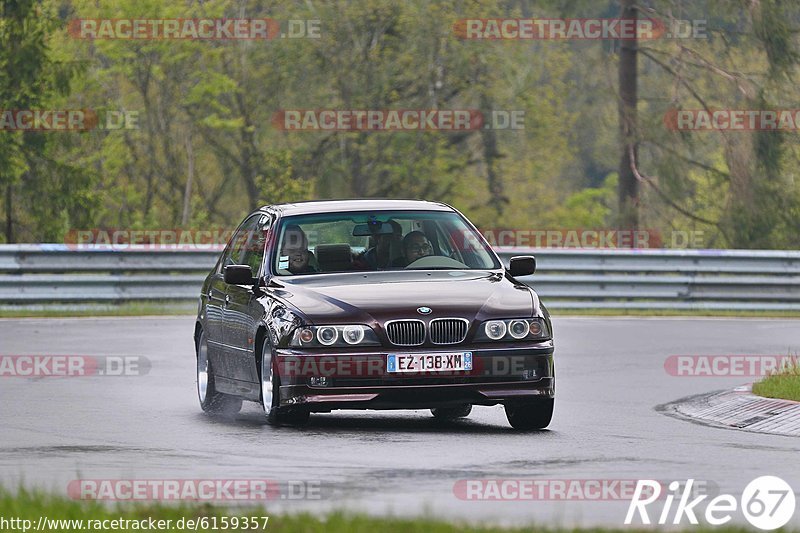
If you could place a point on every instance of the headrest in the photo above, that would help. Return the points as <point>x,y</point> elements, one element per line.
<point>334,257</point>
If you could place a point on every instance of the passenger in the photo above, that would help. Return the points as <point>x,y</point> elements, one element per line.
<point>295,247</point>
<point>415,246</point>
<point>383,253</point>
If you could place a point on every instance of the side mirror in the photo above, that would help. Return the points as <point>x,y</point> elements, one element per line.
<point>239,275</point>
<point>523,265</point>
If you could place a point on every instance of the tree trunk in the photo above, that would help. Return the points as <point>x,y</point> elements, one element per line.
<point>628,184</point>
<point>9,215</point>
<point>187,193</point>
<point>497,198</point>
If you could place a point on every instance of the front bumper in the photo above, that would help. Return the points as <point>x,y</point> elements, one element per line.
<point>360,380</point>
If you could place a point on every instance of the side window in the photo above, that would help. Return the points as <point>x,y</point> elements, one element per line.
<point>236,246</point>
<point>253,254</point>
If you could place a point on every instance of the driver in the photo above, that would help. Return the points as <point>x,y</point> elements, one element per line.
<point>415,246</point>
<point>381,255</point>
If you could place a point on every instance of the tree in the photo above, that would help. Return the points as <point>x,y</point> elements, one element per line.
<point>30,77</point>
<point>628,100</point>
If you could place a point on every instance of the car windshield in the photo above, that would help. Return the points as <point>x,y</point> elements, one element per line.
<point>379,240</point>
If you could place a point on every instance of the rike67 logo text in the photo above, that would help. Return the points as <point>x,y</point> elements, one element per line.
<point>768,502</point>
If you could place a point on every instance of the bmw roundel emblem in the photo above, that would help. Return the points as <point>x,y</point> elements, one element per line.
<point>424,310</point>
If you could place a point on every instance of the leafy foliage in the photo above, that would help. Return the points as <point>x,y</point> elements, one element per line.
<point>204,149</point>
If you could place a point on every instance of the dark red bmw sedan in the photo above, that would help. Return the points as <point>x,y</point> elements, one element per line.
<point>371,304</point>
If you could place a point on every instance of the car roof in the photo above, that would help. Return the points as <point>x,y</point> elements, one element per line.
<point>367,204</point>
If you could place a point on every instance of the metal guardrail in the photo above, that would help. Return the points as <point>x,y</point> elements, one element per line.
<point>53,274</point>
<point>666,279</point>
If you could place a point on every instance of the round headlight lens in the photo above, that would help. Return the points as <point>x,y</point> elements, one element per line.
<point>495,329</point>
<point>518,329</point>
<point>327,335</point>
<point>353,334</point>
<point>536,328</point>
<point>306,335</point>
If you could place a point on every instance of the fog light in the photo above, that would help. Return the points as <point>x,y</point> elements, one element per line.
<point>316,381</point>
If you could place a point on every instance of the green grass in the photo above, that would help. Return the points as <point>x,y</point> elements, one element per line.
<point>126,309</point>
<point>32,505</point>
<point>784,384</point>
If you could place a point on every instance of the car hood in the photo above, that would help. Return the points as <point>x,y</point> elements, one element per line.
<point>379,296</point>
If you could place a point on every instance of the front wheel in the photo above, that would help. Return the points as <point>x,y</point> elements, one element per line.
<point>212,401</point>
<point>530,414</point>
<point>270,394</point>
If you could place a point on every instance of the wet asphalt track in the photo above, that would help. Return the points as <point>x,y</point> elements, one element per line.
<point>610,379</point>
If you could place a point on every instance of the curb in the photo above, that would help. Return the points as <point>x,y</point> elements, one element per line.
<point>738,409</point>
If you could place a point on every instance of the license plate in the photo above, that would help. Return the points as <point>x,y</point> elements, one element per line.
<point>428,362</point>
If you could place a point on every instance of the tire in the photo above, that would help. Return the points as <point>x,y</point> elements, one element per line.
<point>451,413</point>
<point>270,387</point>
<point>211,401</point>
<point>530,414</point>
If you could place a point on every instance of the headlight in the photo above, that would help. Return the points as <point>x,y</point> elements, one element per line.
<point>519,329</point>
<point>333,336</point>
<point>495,329</point>
<point>327,335</point>
<point>353,334</point>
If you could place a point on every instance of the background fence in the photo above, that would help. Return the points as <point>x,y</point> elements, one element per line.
<point>54,275</point>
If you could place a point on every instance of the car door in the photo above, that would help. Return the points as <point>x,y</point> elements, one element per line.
<point>215,305</point>
<point>243,311</point>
